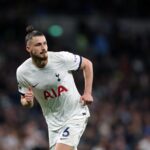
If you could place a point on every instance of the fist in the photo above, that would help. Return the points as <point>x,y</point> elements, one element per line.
<point>86,99</point>
<point>29,96</point>
<point>27,99</point>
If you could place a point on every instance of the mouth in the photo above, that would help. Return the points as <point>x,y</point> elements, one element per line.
<point>43,52</point>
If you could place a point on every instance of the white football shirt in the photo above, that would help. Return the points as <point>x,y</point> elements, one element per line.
<point>54,87</point>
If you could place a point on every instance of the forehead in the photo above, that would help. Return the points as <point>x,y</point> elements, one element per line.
<point>38,39</point>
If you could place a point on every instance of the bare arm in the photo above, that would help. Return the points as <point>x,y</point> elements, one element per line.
<point>27,100</point>
<point>87,68</point>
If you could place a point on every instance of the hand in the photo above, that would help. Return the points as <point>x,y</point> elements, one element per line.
<point>29,95</point>
<point>27,99</point>
<point>86,99</point>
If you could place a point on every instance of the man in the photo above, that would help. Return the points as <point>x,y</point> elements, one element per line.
<point>47,77</point>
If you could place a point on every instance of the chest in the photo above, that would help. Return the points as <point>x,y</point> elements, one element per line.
<point>47,78</point>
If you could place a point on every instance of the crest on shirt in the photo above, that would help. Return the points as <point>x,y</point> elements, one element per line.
<point>57,75</point>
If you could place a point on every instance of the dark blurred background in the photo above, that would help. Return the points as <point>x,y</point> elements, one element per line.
<point>115,36</point>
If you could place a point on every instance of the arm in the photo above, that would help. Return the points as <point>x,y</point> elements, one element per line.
<point>87,68</point>
<point>27,100</point>
<point>24,89</point>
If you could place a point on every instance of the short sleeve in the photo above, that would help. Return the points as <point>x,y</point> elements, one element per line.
<point>22,84</point>
<point>71,61</point>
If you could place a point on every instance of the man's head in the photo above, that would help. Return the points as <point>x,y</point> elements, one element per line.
<point>36,44</point>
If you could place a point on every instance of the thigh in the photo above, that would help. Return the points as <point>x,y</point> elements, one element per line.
<point>60,146</point>
<point>68,137</point>
<point>71,133</point>
<point>53,136</point>
<point>56,141</point>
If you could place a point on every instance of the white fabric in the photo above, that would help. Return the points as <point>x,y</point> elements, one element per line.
<point>54,87</point>
<point>69,134</point>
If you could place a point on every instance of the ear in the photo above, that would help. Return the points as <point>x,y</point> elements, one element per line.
<point>27,48</point>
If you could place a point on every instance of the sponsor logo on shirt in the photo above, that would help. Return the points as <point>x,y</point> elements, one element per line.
<point>53,93</point>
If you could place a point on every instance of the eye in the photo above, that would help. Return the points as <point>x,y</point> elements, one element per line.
<point>45,43</point>
<point>37,44</point>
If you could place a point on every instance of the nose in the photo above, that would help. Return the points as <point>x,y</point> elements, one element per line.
<point>43,50</point>
<point>43,47</point>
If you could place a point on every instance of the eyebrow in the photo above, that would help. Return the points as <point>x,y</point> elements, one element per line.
<point>39,43</point>
<point>45,42</point>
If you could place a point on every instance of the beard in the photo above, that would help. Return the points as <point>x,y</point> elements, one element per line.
<point>41,57</point>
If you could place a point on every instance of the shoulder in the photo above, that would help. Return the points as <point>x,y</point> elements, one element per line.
<point>24,66</point>
<point>57,54</point>
<point>61,55</point>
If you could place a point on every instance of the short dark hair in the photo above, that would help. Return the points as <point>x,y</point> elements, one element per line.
<point>31,32</point>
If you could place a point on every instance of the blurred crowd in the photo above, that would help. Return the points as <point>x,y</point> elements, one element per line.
<point>119,50</point>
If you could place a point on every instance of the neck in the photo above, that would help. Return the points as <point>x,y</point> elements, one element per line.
<point>40,63</point>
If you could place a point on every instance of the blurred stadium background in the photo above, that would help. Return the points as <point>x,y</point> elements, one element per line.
<point>115,35</point>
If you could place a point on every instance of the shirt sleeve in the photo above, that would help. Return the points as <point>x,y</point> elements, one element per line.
<point>71,61</point>
<point>22,84</point>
